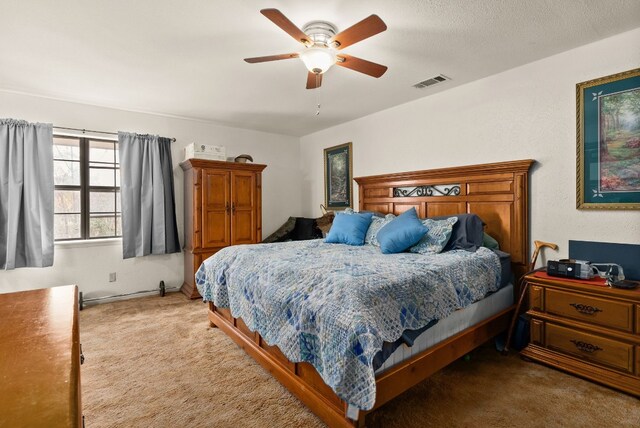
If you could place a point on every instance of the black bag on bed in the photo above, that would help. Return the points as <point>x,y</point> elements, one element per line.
<point>295,229</point>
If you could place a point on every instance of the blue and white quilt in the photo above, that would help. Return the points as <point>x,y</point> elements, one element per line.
<point>333,305</point>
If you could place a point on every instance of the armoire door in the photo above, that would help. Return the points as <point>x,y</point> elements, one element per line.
<point>216,207</point>
<point>243,209</point>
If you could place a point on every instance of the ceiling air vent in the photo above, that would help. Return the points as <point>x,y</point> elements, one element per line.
<point>430,82</point>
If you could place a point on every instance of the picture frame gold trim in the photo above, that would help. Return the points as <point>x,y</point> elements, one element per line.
<point>581,203</point>
<point>327,152</point>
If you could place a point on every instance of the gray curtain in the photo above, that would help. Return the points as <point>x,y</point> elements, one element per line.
<point>26,194</point>
<point>148,202</point>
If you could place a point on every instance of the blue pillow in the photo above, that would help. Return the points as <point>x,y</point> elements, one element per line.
<point>403,232</point>
<point>349,229</point>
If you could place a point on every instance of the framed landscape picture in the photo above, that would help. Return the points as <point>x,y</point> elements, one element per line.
<point>608,142</point>
<point>338,179</point>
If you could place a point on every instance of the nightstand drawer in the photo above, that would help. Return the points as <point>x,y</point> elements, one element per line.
<point>590,347</point>
<point>609,313</point>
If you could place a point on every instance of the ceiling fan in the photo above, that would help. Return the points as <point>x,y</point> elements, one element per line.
<point>322,43</point>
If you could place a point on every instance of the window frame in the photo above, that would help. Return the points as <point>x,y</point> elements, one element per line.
<point>85,188</point>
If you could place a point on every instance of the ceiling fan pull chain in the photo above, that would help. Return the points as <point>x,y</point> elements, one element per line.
<point>318,93</point>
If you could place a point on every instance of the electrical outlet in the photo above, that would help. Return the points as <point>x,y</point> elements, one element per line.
<point>112,277</point>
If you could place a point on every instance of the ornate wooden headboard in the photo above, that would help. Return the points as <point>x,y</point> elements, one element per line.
<point>497,192</point>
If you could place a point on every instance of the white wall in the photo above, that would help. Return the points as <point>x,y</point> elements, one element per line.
<point>88,265</point>
<point>526,112</point>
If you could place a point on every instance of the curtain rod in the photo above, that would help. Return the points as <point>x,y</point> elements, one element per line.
<point>95,132</point>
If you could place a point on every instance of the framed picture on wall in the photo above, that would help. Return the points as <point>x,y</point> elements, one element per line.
<point>338,177</point>
<point>608,142</point>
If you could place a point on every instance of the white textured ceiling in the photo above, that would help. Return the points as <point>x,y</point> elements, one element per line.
<point>185,58</point>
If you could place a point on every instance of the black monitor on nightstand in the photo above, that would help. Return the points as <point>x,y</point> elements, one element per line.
<point>626,255</point>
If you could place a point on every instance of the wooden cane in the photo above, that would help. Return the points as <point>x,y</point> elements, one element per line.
<point>539,245</point>
<point>524,285</point>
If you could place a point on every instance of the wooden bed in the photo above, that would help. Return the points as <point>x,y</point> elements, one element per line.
<point>497,192</point>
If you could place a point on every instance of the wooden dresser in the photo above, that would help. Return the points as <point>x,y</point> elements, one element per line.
<point>40,358</point>
<point>587,330</point>
<point>222,207</point>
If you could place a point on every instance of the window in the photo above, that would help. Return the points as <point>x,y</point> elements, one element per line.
<point>87,188</point>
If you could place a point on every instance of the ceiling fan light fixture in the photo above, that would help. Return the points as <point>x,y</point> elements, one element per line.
<point>322,43</point>
<point>318,59</point>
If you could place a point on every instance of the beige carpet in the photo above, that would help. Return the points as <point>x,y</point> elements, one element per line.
<point>154,362</point>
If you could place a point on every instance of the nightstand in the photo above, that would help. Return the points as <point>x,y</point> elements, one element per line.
<point>587,330</point>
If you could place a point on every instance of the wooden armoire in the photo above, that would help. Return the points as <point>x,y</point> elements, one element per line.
<point>222,207</point>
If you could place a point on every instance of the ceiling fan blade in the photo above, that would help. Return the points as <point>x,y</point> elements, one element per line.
<point>277,17</point>
<point>361,65</point>
<point>314,80</point>
<point>270,58</point>
<point>364,29</point>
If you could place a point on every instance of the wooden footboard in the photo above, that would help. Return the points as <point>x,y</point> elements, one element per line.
<point>303,381</point>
